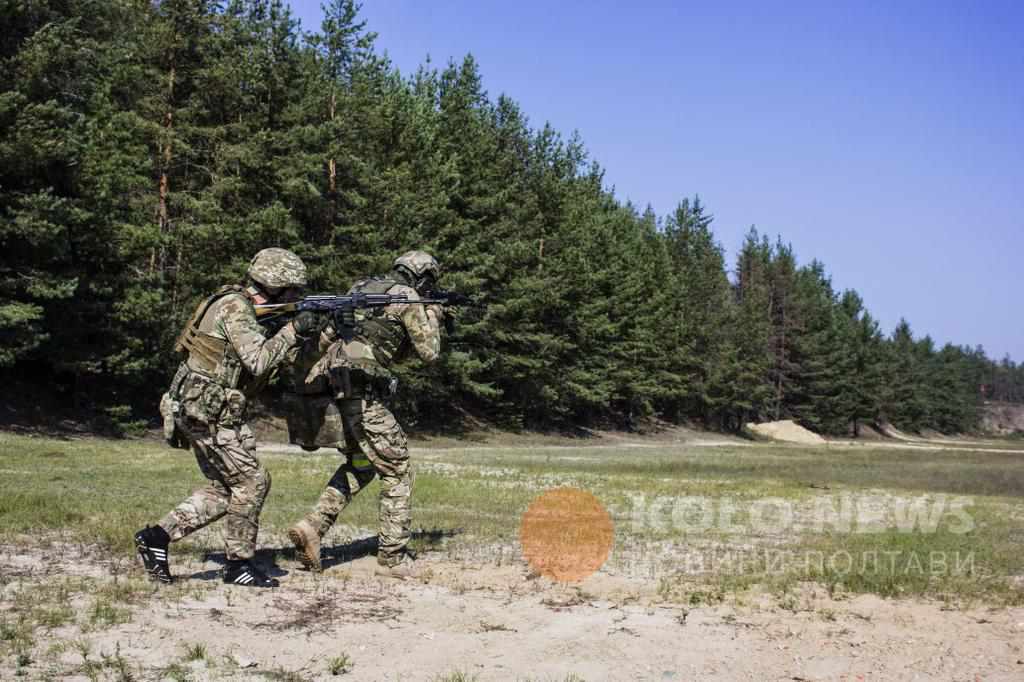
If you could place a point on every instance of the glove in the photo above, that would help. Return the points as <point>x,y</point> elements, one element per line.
<point>450,315</point>
<point>436,311</point>
<point>308,324</point>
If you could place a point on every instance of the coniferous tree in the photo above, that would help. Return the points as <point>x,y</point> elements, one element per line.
<point>747,375</point>
<point>786,324</point>
<point>863,339</point>
<point>821,361</point>
<point>903,404</point>
<point>701,307</point>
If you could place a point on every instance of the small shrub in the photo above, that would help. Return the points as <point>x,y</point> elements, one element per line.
<point>195,652</point>
<point>339,665</point>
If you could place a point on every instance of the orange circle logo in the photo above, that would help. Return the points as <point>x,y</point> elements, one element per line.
<point>566,534</point>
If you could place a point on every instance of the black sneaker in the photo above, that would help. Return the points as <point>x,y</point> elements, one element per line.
<point>245,574</point>
<point>152,543</point>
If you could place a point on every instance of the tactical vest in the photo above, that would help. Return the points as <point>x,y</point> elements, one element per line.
<point>381,330</point>
<point>208,355</point>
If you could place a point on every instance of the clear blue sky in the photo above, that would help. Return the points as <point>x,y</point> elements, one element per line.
<point>885,139</point>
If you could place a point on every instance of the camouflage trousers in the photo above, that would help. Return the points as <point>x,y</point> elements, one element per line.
<point>238,485</point>
<point>377,447</point>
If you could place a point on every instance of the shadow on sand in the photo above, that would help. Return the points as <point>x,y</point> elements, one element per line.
<point>266,558</point>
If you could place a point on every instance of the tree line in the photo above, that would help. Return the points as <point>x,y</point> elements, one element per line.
<point>148,149</point>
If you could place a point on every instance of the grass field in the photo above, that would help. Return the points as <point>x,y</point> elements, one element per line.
<point>468,503</point>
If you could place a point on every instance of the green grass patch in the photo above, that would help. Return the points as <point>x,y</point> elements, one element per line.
<point>195,652</point>
<point>340,665</point>
<point>105,614</point>
<point>99,492</point>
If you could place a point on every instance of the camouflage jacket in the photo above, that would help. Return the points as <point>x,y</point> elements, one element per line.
<point>229,360</point>
<point>380,340</point>
<point>386,335</point>
<point>232,320</point>
<point>326,369</point>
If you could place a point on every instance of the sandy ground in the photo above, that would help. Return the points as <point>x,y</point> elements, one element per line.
<point>787,431</point>
<point>502,623</point>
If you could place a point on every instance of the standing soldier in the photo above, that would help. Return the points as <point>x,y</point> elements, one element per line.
<point>356,367</point>
<point>229,360</point>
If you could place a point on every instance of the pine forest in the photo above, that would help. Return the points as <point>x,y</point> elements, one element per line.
<point>148,149</point>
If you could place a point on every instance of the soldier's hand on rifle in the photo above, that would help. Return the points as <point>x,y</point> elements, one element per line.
<point>436,311</point>
<point>450,315</point>
<point>308,324</point>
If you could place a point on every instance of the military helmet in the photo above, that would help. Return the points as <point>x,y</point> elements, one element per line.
<point>277,269</point>
<point>419,264</point>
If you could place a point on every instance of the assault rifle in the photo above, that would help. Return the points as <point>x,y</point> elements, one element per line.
<point>342,309</point>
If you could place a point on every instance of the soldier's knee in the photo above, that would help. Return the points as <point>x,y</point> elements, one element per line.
<point>363,478</point>
<point>251,491</point>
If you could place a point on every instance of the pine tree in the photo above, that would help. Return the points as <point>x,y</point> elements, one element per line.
<point>820,362</point>
<point>746,376</point>
<point>863,339</point>
<point>902,401</point>
<point>701,307</point>
<point>786,325</point>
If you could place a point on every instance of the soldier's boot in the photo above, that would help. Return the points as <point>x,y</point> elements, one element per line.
<point>245,574</point>
<point>401,566</point>
<point>307,544</point>
<point>152,543</point>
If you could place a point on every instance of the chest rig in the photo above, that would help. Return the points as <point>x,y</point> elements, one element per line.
<point>210,355</point>
<point>380,328</point>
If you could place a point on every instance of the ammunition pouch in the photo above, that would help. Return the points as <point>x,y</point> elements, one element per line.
<point>206,401</point>
<point>380,328</point>
<point>353,372</point>
<point>169,411</point>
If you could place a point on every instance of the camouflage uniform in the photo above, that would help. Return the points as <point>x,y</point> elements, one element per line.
<point>353,416</point>
<point>228,362</point>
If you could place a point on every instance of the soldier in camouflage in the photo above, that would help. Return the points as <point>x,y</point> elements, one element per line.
<point>355,372</point>
<point>229,359</point>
